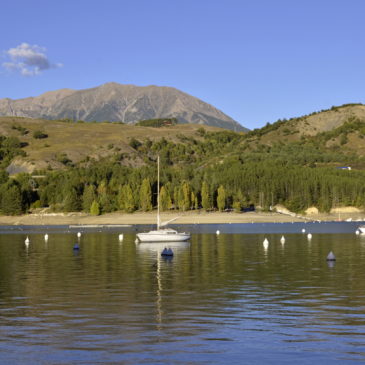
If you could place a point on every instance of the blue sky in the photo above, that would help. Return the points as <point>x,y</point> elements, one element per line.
<point>257,61</point>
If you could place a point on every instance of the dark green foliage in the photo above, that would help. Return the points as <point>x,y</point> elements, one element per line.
<point>9,148</point>
<point>39,134</point>
<point>72,201</point>
<point>88,197</point>
<point>11,199</point>
<point>63,158</point>
<point>157,123</point>
<point>218,170</point>
<point>23,131</point>
<point>134,143</point>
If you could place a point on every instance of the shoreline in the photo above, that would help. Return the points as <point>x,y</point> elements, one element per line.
<point>193,217</point>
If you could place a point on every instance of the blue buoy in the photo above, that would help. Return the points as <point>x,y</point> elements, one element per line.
<point>76,246</point>
<point>167,252</point>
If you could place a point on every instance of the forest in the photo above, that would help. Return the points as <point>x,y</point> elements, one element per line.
<point>214,171</point>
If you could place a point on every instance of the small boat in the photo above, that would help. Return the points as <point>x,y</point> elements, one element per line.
<point>164,234</point>
<point>362,229</point>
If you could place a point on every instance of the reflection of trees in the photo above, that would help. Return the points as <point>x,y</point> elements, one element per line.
<point>121,280</point>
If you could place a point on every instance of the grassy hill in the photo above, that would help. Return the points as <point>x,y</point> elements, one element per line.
<point>79,142</point>
<point>111,166</point>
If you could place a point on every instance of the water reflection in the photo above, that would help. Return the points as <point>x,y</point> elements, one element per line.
<point>155,249</point>
<point>219,298</point>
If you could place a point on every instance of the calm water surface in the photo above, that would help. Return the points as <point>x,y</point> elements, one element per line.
<point>220,299</point>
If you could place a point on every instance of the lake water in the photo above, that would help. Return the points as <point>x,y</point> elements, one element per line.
<point>220,299</point>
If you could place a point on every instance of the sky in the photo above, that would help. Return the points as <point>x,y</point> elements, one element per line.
<point>257,61</point>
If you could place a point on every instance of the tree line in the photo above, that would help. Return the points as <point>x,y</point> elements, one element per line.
<point>216,171</point>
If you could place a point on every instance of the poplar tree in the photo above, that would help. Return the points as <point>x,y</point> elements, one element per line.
<point>145,195</point>
<point>125,199</point>
<point>165,200</point>
<point>186,195</point>
<point>205,196</point>
<point>95,208</point>
<point>88,197</point>
<point>221,198</point>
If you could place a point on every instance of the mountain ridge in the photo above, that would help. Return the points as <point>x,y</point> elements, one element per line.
<point>119,102</point>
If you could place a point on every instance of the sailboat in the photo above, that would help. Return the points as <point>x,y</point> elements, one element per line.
<point>162,234</point>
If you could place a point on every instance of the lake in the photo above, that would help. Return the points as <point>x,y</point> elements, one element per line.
<point>220,299</point>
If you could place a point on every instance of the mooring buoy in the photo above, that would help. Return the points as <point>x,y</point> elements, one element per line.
<point>167,252</point>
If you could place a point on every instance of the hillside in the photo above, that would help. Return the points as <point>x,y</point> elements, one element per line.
<point>77,142</point>
<point>339,129</point>
<point>104,167</point>
<point>121,103</point>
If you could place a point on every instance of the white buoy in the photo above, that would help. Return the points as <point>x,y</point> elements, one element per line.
<point>331,257</point>
<point>27,241</point>
<point>46,237</point>
<point>303,230</point>
<point>266,243</point>
<point>217,232</point>
<point>309,236</point>
<point>120,237</point>
<point>78,234</point>
<point>357,231</point>
<point>282,239</point>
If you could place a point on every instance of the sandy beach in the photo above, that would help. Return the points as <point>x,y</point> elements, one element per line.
<point>194,217</point>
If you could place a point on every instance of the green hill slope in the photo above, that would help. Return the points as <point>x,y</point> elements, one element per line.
<point>112,166</point>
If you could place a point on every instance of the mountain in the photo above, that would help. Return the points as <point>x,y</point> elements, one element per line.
<point>117,102</point>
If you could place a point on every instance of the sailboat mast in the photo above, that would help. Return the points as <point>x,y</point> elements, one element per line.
<point>158,192</point>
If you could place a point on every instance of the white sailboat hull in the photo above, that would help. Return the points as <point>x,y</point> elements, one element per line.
<point>168,235</point>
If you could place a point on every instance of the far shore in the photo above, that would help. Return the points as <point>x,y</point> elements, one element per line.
<point>192,217</point>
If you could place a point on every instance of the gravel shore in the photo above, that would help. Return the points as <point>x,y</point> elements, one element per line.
<point>194,217</point>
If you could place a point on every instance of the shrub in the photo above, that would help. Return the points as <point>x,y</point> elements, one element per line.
<point>39,134</point>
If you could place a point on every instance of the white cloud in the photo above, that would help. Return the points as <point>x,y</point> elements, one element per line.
<point>29,60</point>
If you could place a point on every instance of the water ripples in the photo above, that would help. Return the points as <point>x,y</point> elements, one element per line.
<point>218,300</point>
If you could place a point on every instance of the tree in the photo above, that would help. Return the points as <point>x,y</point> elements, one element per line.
<point>72,202</point>
<point>176,197</point>
<point>95,208</point>
<point>11,199</point>
<point>165,200</point>
<point>187,195</point>
<point>125,199</point>
<point>88,197</point>
<point>39,135</point>
<point>145,195</point>
<point>193,201</point>
<point>221,198</point>
<point>206,204</point>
